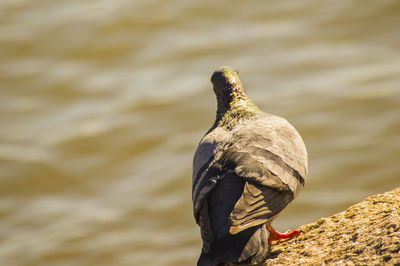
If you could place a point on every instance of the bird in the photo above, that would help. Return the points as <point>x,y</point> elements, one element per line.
<point>246,169</point>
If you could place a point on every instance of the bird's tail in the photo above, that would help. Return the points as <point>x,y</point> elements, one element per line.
<point>256,249</point>
<point>249,246</point>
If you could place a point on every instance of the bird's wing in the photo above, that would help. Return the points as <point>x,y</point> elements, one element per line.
<point>206,167</point>
<point>265,194</point>
<point>270,160</point>
<point>271,157</point>
<point>268,155</point>
<point>206,174</point>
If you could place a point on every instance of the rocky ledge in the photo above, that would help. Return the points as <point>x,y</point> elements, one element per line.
<point>367,233</point>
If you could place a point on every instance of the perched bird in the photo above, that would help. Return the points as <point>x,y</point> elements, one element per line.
<point>246,170</point>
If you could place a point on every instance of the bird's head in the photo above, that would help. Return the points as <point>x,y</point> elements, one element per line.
<point>231,96</point>
<point>225,80</point>
<point>229,89</point>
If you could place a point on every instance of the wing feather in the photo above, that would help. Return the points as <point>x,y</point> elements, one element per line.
<point>267,154</point>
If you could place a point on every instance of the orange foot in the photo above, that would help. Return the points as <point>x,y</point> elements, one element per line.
<point>274,235</point>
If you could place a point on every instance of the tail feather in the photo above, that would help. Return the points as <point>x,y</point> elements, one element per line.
<point>246,247</point>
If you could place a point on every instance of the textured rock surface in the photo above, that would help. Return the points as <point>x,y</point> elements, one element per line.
<point>367,233</point>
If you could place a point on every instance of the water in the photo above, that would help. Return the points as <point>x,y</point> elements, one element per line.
<point>103,104</point>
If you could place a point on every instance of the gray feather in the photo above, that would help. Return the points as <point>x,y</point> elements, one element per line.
<point>247,168</point>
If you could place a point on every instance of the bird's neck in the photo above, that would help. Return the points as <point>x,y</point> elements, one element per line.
<point>234,104</point>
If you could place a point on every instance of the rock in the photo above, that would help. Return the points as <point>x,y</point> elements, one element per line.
<point>367,233</point>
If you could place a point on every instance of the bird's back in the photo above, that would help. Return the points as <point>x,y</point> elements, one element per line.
<point>271,143</point>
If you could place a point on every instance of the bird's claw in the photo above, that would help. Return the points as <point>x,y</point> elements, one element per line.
<point>277,236</point>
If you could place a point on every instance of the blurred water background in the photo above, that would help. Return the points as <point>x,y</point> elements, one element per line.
<point>103,104</point>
